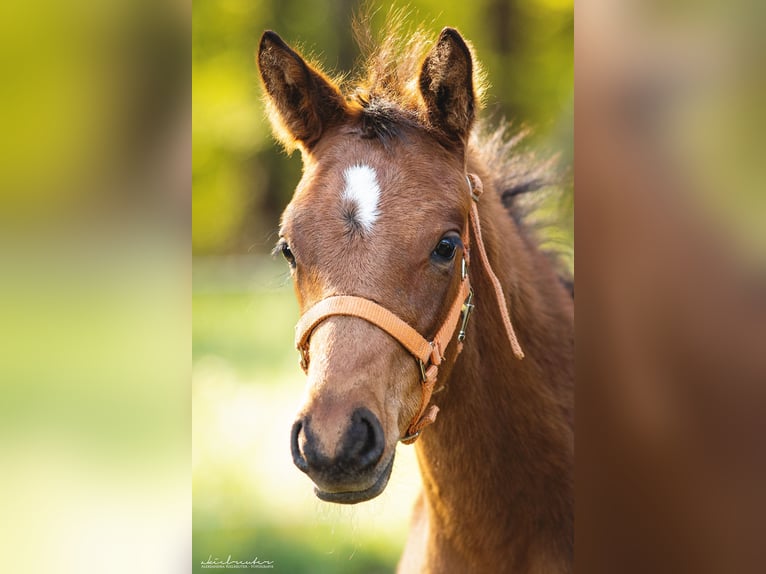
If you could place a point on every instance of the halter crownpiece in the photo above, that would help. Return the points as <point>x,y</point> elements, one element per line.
<point>429,354</point>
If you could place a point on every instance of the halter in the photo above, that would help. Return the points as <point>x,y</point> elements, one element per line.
<point>429,354</point>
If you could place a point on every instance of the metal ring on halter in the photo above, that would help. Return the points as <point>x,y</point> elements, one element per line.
<point>304,352</point>
<point>422,371</point>
<point>412,436</point>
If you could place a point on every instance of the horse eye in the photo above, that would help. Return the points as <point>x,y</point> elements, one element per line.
<point>445,249</point>
<point>284,249</point>
<point>288,255</point>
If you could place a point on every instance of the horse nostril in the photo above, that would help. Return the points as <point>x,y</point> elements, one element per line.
<point>295,446</point>
<point>363,444</point>
<point>360,449</point>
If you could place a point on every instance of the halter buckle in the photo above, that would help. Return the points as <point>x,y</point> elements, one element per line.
<point>464,315</point>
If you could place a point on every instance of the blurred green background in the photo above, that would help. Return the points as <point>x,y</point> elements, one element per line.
<point>248,499</point>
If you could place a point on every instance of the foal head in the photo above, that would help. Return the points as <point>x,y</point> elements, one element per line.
<point>380,213</point>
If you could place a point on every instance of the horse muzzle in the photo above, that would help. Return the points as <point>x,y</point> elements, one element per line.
<point>356,470</point>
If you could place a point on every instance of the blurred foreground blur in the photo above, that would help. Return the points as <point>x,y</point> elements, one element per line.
<point>94,286</point>
<point>671,309</point>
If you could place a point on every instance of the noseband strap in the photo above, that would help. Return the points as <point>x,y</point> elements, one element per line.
<point>370,312</point>
<point>429,354</point>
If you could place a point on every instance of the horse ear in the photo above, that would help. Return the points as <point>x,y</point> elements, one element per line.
<point>446,84</point>
<point>302,101</point>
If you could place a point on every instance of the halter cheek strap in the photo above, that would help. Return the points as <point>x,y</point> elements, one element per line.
<point>429,354</point>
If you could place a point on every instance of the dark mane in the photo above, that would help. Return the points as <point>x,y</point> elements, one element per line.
<point>533,190</point>
<point>383,120</point>
<point>391,63</point>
